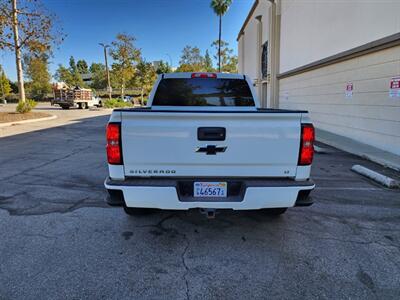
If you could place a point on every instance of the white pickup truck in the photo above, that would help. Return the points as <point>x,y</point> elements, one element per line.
<point>203,142</point>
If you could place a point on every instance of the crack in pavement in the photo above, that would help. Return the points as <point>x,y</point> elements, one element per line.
<point>160,225</point>
<point>183,257</point>
<point>45,164</point>
<point>45,211</point>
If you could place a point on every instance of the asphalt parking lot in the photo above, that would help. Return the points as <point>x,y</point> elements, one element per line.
<point>59,240</point>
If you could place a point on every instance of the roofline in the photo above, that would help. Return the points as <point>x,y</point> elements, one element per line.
<point>253,8</point>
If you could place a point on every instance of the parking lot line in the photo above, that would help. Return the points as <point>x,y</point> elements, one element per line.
<point>347,188</point>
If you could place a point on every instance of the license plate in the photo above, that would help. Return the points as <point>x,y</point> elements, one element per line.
<point>210,189</point>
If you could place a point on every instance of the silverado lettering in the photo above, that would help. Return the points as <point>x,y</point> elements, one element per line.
<point>152,171</point>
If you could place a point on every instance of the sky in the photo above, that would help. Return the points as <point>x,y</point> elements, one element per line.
<point>162,28</point>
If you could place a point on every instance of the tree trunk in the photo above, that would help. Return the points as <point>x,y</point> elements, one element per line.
<point>123,89</point>
<point>142,95</point>
<point>219,43</point>
<point>20,74</point>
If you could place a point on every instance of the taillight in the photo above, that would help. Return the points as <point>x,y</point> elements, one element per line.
<point>306,144</point>
<point>114,152</point>
<point>204,75</point>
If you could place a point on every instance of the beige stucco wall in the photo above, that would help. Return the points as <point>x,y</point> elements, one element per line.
<point>314,29</point>
<point>248,60</point>
<point>370,116</point>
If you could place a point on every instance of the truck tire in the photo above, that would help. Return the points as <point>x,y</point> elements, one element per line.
<point>274,211</point>
<point>138,211</point>
<point>65,106</point>
<point>80,105</point>
<point>85,105</point>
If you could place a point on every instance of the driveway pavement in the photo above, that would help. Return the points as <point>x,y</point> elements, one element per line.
<point>58,239</point>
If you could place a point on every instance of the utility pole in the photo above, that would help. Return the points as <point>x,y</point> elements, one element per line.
<point>107,70</point>
<point>17,47</point>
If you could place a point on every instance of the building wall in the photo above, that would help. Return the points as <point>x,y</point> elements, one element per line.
<point>370,116</point>
<point>314,29</point>
<point>248,60</point>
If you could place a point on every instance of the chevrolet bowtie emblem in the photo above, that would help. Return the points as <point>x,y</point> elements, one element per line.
<point>210,149</point>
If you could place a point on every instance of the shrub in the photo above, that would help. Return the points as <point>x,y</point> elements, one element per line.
<point>115,103</point>
<point>25,107</point>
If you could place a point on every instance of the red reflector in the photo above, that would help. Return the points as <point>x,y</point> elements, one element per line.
<point>306,144</point>
<point>114,153</point>
<point>204,75</point>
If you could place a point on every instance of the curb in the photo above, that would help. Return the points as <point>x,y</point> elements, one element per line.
<point>375,176</point>
<point>365,155</point>
<point>52,117</point>
<point>321,150</point>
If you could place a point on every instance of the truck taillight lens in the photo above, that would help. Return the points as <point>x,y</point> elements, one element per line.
<point>306,144</point>
<point>114,152</point>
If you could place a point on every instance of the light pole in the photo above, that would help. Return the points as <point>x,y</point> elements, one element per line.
<point>170,59</point>
<point>107,70</point>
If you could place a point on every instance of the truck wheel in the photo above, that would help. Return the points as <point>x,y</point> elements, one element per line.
<point>86,106</point>
<point>274,211</point>
<point>80,105</point>
<point>138,211</point>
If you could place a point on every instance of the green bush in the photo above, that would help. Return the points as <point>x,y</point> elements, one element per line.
<point>116,103</point>
<point>25,107</point>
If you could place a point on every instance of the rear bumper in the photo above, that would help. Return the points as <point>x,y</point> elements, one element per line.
<point>172,194</point>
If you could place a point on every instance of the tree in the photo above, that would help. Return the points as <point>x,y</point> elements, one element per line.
<point>14,86</point>
<point>220,7</point>
<point>191,60</point>
<point>144,78</point>
<point>125,56</point>
<point>63,74</point>
<point>72,64</point>
<point>231,66</point>
<point>228,61</point>
<point>76,75</point>
<point>163,67</point>
<point>99,81</point>
<point>71,75</point>
<point>38,73</point>
<point>23,27</point>
<point>208,65</point>
<point>96,68</point>
<point>5,87</point>
<point>82,66</point>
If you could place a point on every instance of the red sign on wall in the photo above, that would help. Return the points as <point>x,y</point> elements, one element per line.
<point>394,87</point>
<point>349,90</point>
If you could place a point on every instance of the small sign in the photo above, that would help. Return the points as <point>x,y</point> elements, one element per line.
<point>394,88</point>
<point>349,90</point>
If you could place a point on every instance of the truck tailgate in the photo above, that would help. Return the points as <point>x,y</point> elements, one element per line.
<point>264,144</point>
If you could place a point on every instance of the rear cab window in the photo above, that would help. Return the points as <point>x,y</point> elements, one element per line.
<point>203,92</point>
